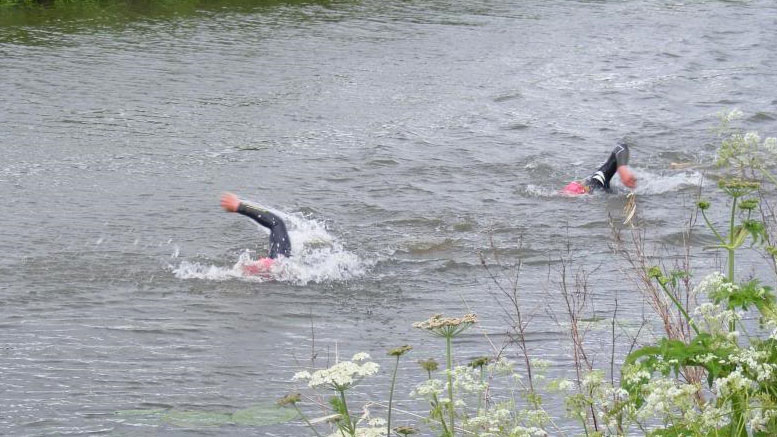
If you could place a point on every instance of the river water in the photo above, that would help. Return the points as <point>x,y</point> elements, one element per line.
<point>394,137</point>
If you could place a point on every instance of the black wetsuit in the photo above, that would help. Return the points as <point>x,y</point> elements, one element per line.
<point>600,180</point>
<point>280,244</point>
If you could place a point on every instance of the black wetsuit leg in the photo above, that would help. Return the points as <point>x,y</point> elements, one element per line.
<point>280,244</point>
<point>600,180</point>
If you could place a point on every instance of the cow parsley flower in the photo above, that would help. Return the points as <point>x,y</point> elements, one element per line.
<point>447,327</point>
<point>342,375</point>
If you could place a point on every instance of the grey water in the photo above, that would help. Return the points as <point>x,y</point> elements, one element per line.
<point>396,137</point>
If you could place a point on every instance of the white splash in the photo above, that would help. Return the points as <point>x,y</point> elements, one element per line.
<point>654,183</point>
<point>538,191</point>
<point>317,257</point>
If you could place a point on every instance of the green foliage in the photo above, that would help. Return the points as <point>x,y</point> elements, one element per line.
<point>257,415</point>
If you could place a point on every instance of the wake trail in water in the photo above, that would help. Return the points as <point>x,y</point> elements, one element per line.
<point>648,183</point>
<point>317,257</point>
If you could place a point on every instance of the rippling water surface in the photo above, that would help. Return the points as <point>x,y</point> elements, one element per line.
<point>395,137</point>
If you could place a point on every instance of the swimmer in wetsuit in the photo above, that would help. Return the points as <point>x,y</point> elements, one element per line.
<point>280,244</point>
<point>600,180</point>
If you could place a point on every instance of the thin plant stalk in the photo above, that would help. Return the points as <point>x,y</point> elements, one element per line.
<point>310,425</point>
<point>450,384</point>
<point>712,228</point>
<point>732,324</point>
<point>679,307</point>
<point>391,398</point>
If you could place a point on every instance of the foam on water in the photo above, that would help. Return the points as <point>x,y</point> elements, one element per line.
<point>317,257</point>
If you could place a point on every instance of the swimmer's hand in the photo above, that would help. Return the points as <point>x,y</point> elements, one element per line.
<point>230,202</point>
<point>627,177</point>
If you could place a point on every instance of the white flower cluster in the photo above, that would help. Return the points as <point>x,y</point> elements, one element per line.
<point>759,418</point>
<point>717,317</point>
<point>710,418</point>
<point>755,362</point>
<point>752,139</point>
<point>770,145</point>
<point>342,375</point>
<point>709,284</point>
<point>735,382</point>
<point>501,421</point>
<point>501,367</point>
<point>635,375</point>
<point>467,379</point>
<point>592,379</point>
<point>734,114</point>
<point>667,398</point>
<point>364,432</point>
<point>428,389</point>
<point>772,324</point>
<point>532,431</point>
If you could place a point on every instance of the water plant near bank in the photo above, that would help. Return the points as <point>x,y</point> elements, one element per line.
<point>713,372</point>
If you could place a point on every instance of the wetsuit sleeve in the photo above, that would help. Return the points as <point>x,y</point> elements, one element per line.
<point>621,154</point>
<point>264,218</point>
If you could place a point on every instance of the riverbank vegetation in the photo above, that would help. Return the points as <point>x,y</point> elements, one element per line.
<point>68,12</point>
<point>711,372</point>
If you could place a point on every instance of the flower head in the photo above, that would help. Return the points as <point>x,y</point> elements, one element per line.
<point>399,351</point>
<point>429,365</point>
<point>738,187</point>
<point>703,204</point>
<point>341,376</point>
<point>748,204</point>
<point>360,356</point>
<point>447,327</point>
<point>655,272</point>
<point>291,398</point>
<point>479,362</point>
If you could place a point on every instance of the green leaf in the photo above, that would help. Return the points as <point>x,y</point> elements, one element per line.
<point>263,415</point>
<point>196,419</point>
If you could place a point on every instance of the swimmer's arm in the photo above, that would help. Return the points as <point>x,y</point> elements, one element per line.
<point>627,176</point>
<point>621,155</point>
<point>232,203</point>
<point>622,164</point>
<point>259,215</point>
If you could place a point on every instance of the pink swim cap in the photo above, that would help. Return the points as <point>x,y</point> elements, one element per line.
<point>261,267</point>
<point>574,189</point>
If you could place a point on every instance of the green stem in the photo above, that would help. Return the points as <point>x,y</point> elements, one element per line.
<point>306,420</point>
<point>738,427</point>
<point>435,404</point>
<point>731,324</point>
<point>480,398</point>
<point>680,307</point>
<point>731,235</point>
<point>450,385</point>
<point>391,398</point>
<point>349,425</point>
<point>712,228</point>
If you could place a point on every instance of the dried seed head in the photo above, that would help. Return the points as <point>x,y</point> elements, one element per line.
<point>479,362</point>
<point>291,398</point>
<point>399,351</point>
<point>429,365</point>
